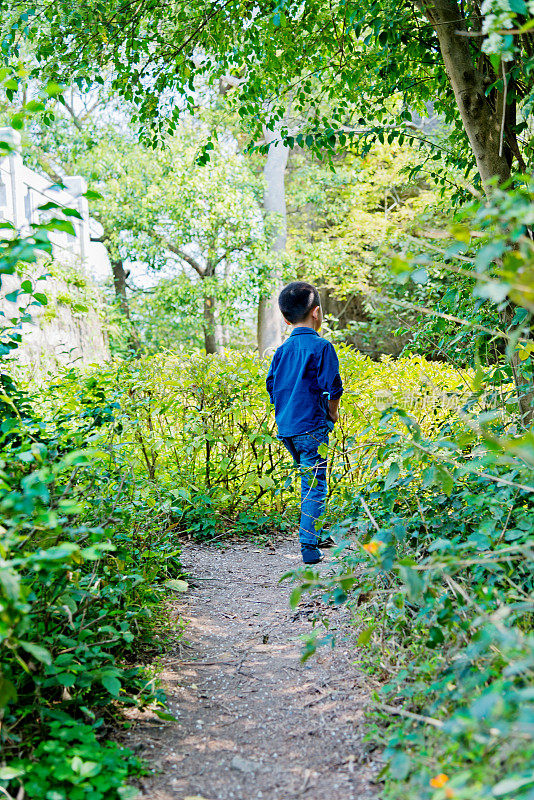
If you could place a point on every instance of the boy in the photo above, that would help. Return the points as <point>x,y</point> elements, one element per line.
<point>305,386</point>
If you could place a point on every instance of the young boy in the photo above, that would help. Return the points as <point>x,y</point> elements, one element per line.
<point>305,386</point>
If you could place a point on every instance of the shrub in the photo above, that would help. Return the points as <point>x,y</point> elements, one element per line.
<point>72,764</point>
<point>201,427</point>
<point>440,579</point>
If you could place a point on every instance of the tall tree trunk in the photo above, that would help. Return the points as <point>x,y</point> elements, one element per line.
<point>490,130</point>
<point>210,324</point>
<point>274,207</point>
<point>482,123</point>
<point>120,277</point>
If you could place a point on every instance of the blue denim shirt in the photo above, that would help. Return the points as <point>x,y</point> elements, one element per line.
<point>303,376</point>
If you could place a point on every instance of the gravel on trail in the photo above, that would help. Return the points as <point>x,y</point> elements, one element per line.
<point>252,720</point>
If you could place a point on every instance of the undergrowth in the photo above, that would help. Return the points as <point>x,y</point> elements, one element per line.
<point>435,559</point>
<point>87,555</point>
<point>431,477</point>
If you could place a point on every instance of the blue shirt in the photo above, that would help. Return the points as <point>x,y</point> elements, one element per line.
<point>303,377</point>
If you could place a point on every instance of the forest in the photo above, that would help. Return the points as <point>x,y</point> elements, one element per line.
<point>382,151</point>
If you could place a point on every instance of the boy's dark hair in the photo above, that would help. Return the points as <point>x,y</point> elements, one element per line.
<point>297,299</point>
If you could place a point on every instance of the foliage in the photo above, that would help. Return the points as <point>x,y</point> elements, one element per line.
<point>441,585</point>
<point>439,574</point>
<point>73,765</point>
<point>202,429</point>
<point>82,570</point>
<point>433,475</point>
<point>166,219</point>
<point>350,70</point>
<point>345,229</point>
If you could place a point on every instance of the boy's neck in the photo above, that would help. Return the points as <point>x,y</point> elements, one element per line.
<point>304,324</point>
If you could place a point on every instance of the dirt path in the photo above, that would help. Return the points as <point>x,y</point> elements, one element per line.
<point>253,721</point>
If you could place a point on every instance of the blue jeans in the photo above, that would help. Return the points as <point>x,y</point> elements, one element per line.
<point>313,486</point>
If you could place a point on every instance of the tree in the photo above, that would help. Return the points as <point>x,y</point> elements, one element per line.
<point>274,206</point>
<point>375,60</point>
<point>164,213</point>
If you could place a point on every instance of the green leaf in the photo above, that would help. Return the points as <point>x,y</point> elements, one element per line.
<point>365,636</point>
<point>40,653</point>
<point>91,194</point>
<point>112,684</point>
<point>66,679</point>
<point>519,6</point>
<point>413,582</point>
<point>76,764</point>
<point>435,637</point>
<point>8,773</point>
<point>165,715</point>
<point>53,89</point>
<point>399,766</point>
<point>89,769</point>
<point>50,204</point>
<point>392,476</point>
<point>8,692</point>
<point>512,784</point>
<point>9,583</point>
<point>60,225</point>
<point>34,106</point>
<point>420,276</point>
<point>445,478</point>
<point>127,792</point>
<point>487,255</point>
<point>295,596</point>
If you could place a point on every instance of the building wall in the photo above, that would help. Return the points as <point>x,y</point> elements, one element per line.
<point>62,332</point>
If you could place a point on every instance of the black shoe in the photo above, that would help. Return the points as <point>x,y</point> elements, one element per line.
<point>328,542</point>
<point>311,554</point>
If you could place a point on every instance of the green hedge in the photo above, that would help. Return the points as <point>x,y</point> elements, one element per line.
<point>201,427</point>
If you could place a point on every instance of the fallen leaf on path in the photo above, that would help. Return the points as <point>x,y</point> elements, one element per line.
<point>177,585</point>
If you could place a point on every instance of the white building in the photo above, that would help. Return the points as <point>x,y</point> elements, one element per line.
<point>62,332</point>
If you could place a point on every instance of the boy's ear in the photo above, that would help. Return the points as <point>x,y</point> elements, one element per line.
<point>316,311</point>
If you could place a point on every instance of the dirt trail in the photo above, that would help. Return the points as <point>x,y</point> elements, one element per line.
<point>253,721</point>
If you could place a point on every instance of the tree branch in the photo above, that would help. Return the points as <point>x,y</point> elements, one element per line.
<point>197,266</point>
<point>75,119</point>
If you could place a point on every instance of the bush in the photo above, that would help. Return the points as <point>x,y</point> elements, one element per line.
<point>201,428</point>
<point>440,579</point>
<point>72,764</point>
<point>87,553</point>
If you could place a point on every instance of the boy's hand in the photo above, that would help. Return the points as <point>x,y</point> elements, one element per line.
<point>333,409</point>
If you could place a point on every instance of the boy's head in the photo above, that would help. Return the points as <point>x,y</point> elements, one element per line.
<point>300,304</point>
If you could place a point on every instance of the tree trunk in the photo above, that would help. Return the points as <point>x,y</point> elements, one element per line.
<point>119,282</point>
<point>482,123</point>
<point>274,207</point>
<point>120,277</point>
<point>209,325</point>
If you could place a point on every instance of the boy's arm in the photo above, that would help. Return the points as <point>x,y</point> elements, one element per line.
<point>333,409</point>
<point>329,380</point>
<point>270,381</point>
